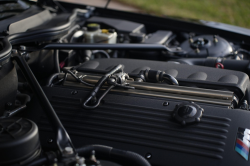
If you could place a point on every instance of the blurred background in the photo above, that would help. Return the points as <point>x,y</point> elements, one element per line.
<point>234,12</point>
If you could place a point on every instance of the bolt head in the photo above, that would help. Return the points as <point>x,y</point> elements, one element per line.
<point>148,156</point>
<point>68,150</point>
<point>165,103</point>
<point>50,140</point>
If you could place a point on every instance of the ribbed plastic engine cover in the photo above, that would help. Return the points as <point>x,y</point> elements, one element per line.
<point>145,126</point>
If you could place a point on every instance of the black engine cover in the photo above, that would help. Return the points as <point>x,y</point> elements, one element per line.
<point>144,125</point>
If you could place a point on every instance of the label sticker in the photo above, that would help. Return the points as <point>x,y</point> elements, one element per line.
<point>242,143</point>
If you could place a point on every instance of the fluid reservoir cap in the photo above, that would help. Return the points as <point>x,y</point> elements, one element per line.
<point>187,112</point>
<point>93,27</point>
<point>19,141</point>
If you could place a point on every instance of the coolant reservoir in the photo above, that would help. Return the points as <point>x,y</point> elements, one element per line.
<point>92,30</point>
<point>96,35</point>
<point>106,36</point>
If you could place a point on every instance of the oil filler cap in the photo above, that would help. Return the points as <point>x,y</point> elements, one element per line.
<point>187,112</point>
<point>19,141</point>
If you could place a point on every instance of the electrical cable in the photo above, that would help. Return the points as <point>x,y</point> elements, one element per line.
<point>97,103</point>
<point>99,85</point>
<point>77,78</point>
<point>56,56</point>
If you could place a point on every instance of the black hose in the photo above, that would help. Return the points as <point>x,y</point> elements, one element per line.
<point>38,162</point>
<point>56,56</point>
<point>97,103</point>
<point>125,158</point>
<point>169,79</point>
<point>157,76</point>
<point>231,64</point>
<point>122,157</point>
<point>191,61</point>
<point>51,79</point>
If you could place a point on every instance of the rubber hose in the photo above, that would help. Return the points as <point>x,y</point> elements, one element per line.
<point>125,158</point>
<point>52,78</point>
<point>56,56</point>
<point>38,162</point>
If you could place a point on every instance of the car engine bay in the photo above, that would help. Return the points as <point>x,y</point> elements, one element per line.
<point>95,86</point>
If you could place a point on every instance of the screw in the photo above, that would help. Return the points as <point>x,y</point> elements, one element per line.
<point>50,140</point>
<point>74,92</point>
<point>165,103</point>
<point>148,156</point>
<point>68,150</point>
